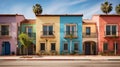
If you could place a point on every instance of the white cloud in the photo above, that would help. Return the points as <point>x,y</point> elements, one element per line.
<point>26,10</point>
<point>60,6</point>
<point>89,11</point>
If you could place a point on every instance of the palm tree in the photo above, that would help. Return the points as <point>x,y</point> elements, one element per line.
<point>25,41</point>
<point>37,9</point>
<point>117,9</point>
<point>106,7</point>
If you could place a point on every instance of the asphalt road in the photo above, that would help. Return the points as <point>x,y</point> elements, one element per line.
<point>66,63</point>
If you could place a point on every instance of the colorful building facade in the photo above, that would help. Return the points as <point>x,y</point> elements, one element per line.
<point>8,33</point>
<point>28,26</point>
<point>47,34</point>
<point>61,34</point>
<point>89,33</point>
<point>70,34</point>
<point>108,33</point>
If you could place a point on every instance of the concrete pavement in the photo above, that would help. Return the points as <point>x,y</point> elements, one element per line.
<point>62,63</point>
<point>35,57</point>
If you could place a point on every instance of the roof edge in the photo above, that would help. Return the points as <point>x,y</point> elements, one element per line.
<point>60,15</point>
<point>106,15</point>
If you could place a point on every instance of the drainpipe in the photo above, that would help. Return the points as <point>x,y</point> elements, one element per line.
<point>115,48</point>
<point>46,45</point>
<point>70,46</point>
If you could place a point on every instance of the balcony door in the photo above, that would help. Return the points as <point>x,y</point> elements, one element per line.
<point>111,30</point>
<point>88,30</point>
<point>29,31</point>
<point>47,30</point>
<point>71,29</point>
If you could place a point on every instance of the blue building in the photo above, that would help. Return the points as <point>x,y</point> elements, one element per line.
<point>71,34</point>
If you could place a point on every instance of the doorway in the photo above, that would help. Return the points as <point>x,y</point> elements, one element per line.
<point>90,48</point>
<point>5,48</point>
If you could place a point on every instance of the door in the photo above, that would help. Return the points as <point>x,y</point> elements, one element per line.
<point>94,49</point>
<point>87,48</point>
<point>6,48</point>
<point>30,49</point>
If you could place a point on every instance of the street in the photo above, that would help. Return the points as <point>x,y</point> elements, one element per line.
<point>60,63</point>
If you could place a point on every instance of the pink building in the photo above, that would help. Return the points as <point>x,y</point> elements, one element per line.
<point>108,33</point>
<point>8,33</point>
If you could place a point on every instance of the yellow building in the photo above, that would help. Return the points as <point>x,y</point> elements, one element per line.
<point>47,34</point>
<point>89,33</point>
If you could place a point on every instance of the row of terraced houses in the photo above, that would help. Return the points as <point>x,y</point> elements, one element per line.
<point>60,34</point>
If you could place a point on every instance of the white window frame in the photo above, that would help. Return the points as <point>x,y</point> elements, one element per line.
<point>75,29</point>
<point>5,25</point>
<point>48,29</point>
<point>29,27</point>
<point>111,29</point>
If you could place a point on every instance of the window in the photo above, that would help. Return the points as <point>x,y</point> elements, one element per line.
<point>5,30</point>
<point>65,46</point>
<point>47,30</point>
<point>105,46</point>
<point>71,29</point>
<point>29,31</point>
<point>42,46</point>
<point>52,46</point>
<point>76,46</point>
<point>115,46</point>
<point>88,30</point>
<point>111,29</point>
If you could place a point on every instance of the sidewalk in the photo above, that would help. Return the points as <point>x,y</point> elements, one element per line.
<point>105,58</point>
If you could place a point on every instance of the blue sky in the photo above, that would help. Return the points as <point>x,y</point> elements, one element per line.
<point>85,7</point>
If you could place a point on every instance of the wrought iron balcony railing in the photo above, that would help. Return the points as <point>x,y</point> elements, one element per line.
<point>113,34</point>
<point>90,35</point>
<point>47,34</point>
<point>70,34</point>
<point>31,34</point>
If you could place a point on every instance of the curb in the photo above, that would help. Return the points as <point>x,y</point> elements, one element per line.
<point>26,59</point>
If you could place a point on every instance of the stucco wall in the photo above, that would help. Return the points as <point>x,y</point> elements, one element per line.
<point>93,31</point>
<point>55,21</point>
<point>23,29</point>
<point>102,21</point>
<point>68,20</point>
<point>13,36</point>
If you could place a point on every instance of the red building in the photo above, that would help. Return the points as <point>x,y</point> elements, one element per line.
<point>108,33</point>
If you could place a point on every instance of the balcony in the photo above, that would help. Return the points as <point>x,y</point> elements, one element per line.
<point>47,34</point>
<point>111,34</point>
<point>70,34</point>
<point>4,34</point>
<point>31,35</point>
<point>91,35</point>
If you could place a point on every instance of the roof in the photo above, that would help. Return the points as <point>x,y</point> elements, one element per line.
<point>106,15</point>
<point>88,21</point>
<point>11,15</point>
<point>29,21</point>
<point>60,15</point>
